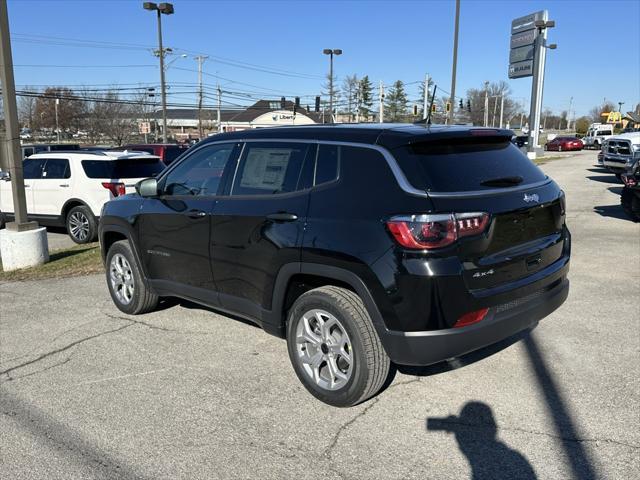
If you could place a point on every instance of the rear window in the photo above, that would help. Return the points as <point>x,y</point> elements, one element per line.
<point>129,168</point>
<point>465,164</point>
<point>171,153</point>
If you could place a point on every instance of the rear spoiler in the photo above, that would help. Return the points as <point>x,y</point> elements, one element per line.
<point>446,136</point>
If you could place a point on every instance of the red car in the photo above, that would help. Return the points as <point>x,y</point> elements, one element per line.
<point>168,152</point>
<point>562,144</point>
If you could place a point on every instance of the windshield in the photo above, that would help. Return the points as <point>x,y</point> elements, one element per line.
<point>129,168</point>
<point>465,164</point>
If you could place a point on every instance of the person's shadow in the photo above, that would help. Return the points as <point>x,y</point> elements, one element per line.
<point>475,430</point>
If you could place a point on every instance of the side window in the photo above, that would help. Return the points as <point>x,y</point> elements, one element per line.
<point>200,173</point>
<point>270,167</point>
<point>27,151</point>
<point>56,168</point>
<point>32,169</point>
<point>327,164</point>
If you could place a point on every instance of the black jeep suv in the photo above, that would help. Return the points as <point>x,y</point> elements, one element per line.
<point>362,245</point>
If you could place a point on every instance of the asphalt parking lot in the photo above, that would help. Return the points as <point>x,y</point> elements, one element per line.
<point>87,392</point>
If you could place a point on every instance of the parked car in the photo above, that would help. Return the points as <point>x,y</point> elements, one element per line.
<point>168,152</point>
<point>69,188</point>
<point>520,141</point>
<point>621,152</point>
<point>561,144</point>
<point>362,245</point>
<point>30,149</point>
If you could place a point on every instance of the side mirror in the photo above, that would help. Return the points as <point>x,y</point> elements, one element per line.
<point>147,187</point>
<point>5,176</point>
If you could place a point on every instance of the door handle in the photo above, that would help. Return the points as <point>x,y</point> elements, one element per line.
<point>282,217</point>
<point>63,185</point>
<point>196,214</point>
<point>26,186</point>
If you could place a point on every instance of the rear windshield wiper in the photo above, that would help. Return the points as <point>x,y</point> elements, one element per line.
<point>502,181</point>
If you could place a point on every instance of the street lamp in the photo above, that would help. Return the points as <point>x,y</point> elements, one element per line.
<point>167,9</point>
<point>331,53</point>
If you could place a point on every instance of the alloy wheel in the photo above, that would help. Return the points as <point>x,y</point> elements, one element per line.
<point>121,277</point>
<point>79,226</point>
<point>324,349</point>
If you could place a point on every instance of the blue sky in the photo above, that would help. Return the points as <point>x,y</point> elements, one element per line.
<point>598,53</point>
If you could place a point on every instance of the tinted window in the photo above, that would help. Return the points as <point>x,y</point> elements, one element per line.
<point>200,172</point>
<point>27,151</point>
<point>327,163</point>
<point>461,164</point>
<point>171,153</point>
<point>32,169</point>
<point>56,168</point>
<point>129,168</point>
<point>268,168</point>
<point>64,147</point>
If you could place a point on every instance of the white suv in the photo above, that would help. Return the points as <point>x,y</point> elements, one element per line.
<point>69,188</point>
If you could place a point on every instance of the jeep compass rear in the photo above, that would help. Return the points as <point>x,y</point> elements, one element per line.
<point>361,245</point>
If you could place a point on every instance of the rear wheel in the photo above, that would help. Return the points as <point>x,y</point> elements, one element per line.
<point>334,348</point>
<point>81,225</point>
<point>126,285</point>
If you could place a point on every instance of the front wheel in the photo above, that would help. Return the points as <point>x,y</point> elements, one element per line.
<point>334,348</point>
<point>126,285</point>
<point>81,225</point>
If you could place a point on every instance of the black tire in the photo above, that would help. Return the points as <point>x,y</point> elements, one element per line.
<point>82,226</point>
<point>630,204</point>
<point>370,366</point>
<point>142,300</point>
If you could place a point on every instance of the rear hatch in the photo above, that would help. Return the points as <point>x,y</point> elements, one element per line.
<point>120,175</point>
<point>481,171</point>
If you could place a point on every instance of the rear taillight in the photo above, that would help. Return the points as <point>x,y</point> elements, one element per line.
<point>426,232</point>
<point>471,318</point>
<point>116,189</point>
<point>629,181</point>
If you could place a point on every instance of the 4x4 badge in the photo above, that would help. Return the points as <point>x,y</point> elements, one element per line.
<point>531,198</point>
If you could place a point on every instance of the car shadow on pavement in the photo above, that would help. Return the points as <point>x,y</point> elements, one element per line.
<point>63,439</point>
<point>613,211</point>
<point>615,190</point>
<point>604,178</point>
<point>475,430</point>
<point>67,253</point>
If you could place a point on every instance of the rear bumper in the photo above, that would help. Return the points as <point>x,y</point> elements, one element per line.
<point>503,321</point>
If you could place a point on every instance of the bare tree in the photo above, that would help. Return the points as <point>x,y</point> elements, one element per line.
<point>596,112</point>
<point>350,86</point>
<point>27,107</point>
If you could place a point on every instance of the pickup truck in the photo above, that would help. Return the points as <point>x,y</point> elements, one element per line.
<point>596,135</point>
<point>620,152</point>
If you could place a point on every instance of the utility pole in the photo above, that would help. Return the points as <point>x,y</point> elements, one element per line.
<point>57,124</point>
<point>218,108</point>
<point>501,108</point>
<point>14,157</point>
<point>495,108</point>
<point>486,104</point>
<point>381,107</point>
<point>569,114</point>
<point>200,59</point>
<point>426,97</point>
<point>358,103</point>
<point>455,62</point>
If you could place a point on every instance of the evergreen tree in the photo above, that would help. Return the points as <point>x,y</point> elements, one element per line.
<point>365,96</point>
<point>396,102</point>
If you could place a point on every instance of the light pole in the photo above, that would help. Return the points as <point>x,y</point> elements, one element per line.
<point>331,53</point>
<point>167,9</point>
<point>455,63</point>
<point>57,125</point>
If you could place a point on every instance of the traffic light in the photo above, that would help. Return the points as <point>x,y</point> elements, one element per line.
<point>461,106</point>
<point>469,106</point>
<point>447,107</point>
<point>433,108</point>
<point>297,102</point>
<point>415,110</point>
<point>317,104</point>
<point>283,103</point>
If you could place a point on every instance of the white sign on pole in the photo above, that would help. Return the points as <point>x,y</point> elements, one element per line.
<point>144,127</point>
